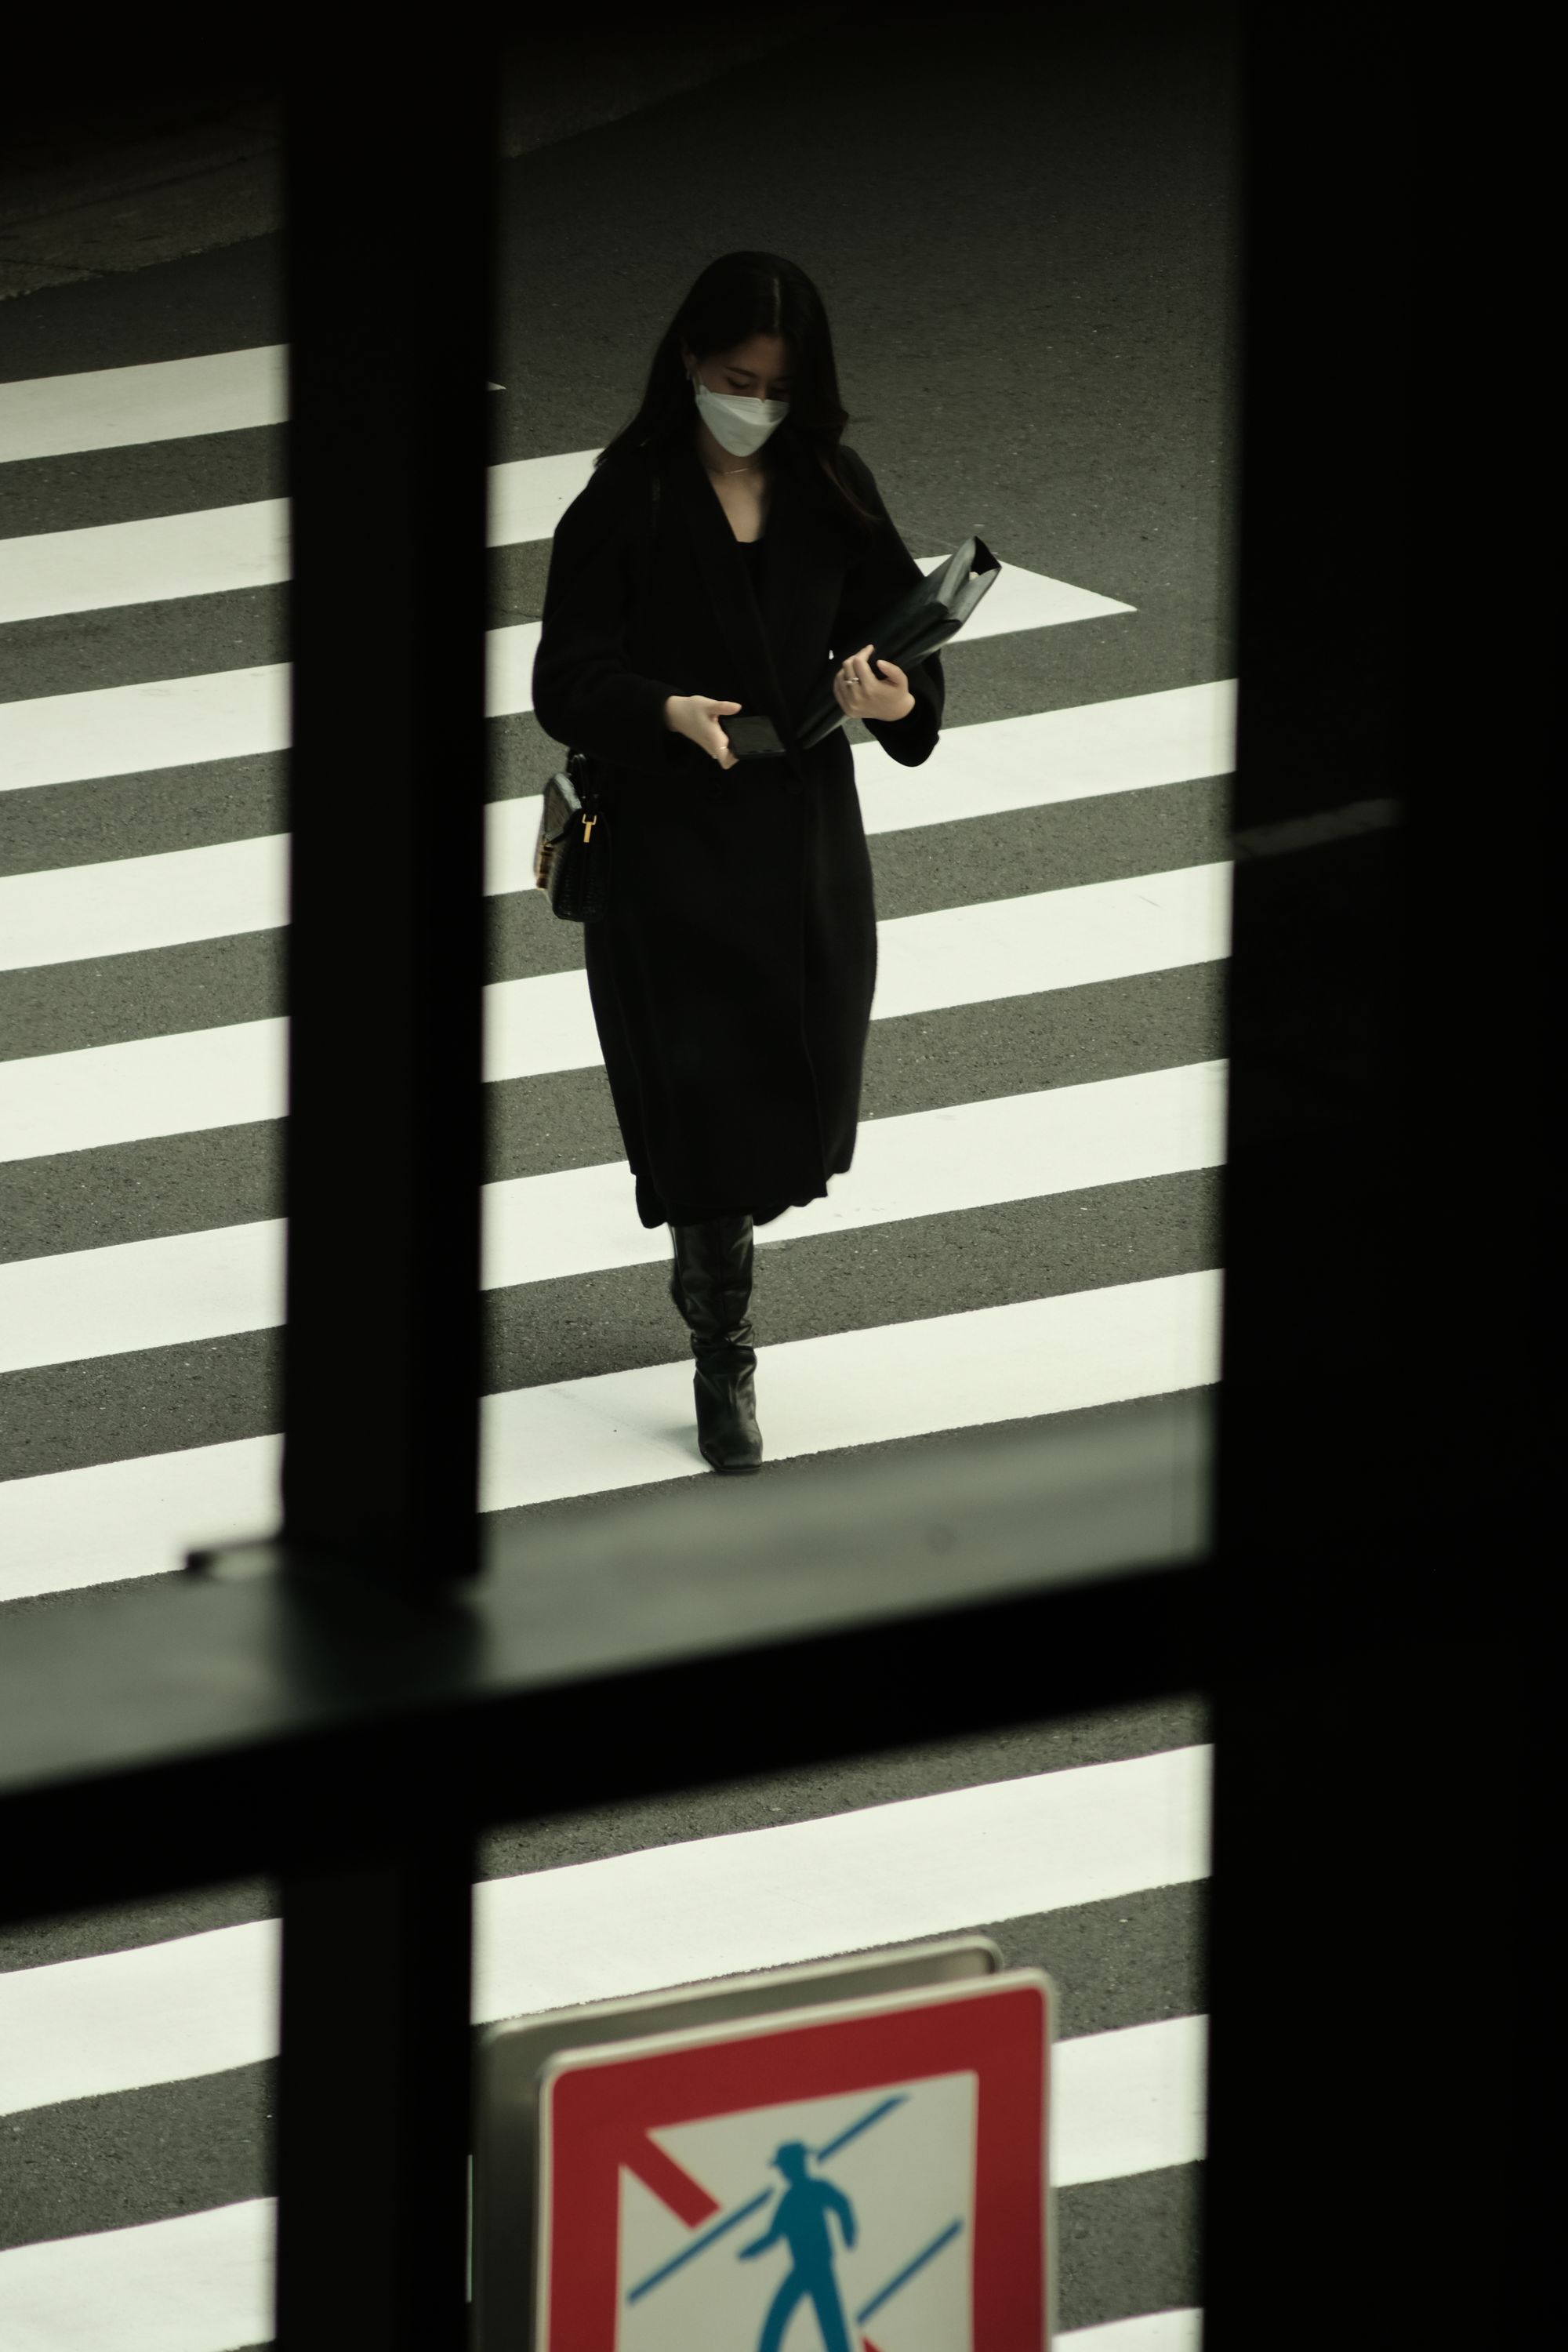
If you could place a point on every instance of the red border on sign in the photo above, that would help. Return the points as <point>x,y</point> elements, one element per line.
<point>597,2112</point>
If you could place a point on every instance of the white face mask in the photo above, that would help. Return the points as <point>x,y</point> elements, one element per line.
<point>739,425</point>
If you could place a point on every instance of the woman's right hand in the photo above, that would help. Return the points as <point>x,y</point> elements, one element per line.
<point>696,716</point>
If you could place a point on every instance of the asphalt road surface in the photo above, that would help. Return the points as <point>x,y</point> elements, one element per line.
<point>1041,350</point>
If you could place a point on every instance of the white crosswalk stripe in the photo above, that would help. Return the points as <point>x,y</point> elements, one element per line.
<point>230,714</point>
<point>66,1528</point>
<point>715,1907</point>
<point>1128,2101</point>
<point>155,1294</point>
<point>163,400</point>
<point>211,549</point>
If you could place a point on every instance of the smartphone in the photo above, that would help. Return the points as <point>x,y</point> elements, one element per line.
<point>752,734</point>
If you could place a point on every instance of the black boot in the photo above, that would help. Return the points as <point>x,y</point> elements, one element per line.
<point>710,1283</point>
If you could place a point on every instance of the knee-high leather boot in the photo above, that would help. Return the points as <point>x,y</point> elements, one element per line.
<point>710,1283</point>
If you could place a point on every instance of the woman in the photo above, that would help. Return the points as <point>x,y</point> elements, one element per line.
<point>732,976</point>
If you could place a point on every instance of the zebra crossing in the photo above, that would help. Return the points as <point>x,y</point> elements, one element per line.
<point>129,905</point>
<point>612,1431</point>
<point>1007,948</point>
<point>133,1295</point>
<point>87,2034</point>
<point>715,1907</point>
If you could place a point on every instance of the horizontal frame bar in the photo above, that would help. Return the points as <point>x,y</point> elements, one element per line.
<point>233,1720</point>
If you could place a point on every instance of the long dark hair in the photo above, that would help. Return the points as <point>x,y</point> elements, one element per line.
<point>738,296</point>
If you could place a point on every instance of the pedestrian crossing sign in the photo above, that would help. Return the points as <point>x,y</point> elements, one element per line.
<point>869,2176</point>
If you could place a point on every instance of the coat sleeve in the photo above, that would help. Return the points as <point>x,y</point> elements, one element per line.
<point>585,695</point>
<point>882,572</point>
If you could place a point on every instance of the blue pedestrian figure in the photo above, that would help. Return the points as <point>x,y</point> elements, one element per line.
<point>800,2217</point>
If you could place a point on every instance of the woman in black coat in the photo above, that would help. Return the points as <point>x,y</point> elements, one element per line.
<point>728,549</point>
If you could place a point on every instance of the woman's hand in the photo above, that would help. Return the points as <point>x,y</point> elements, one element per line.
<point>864,689</point>
<point>697,716</point>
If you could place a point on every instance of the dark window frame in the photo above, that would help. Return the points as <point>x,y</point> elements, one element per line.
<point>348,1705</point>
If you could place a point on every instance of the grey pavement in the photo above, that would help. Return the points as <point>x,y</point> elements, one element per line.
<point>95,191</point>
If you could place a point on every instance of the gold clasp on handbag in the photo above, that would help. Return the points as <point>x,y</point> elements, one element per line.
<point>588,825</point>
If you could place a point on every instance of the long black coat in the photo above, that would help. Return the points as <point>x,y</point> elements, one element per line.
<point>731,978</point>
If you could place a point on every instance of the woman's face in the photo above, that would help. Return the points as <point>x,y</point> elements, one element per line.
<point>757,369</point>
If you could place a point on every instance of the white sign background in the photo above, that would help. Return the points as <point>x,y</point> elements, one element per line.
<point>908,2176</point>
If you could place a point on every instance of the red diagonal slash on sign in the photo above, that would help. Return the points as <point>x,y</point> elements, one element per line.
<point>670,2183</point>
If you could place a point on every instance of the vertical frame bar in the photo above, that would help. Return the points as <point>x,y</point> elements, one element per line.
<point>1357,2130</point>
<point>374,2101</point>
<point>389,157</point>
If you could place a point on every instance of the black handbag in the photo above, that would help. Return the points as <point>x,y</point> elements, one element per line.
<point>571,854</point>
<point>571,851</point>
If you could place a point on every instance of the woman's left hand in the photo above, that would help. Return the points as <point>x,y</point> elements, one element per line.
<point>866,691</point>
